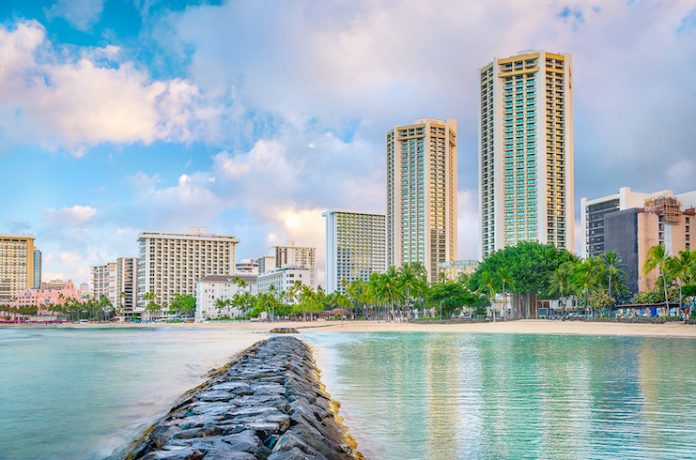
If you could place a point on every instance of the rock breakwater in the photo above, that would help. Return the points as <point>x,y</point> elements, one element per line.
<point>267,404</point>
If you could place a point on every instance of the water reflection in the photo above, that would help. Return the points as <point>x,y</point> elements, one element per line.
<point>441,396</point>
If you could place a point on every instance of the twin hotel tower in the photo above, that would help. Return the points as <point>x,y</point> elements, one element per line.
<point>526,189</point>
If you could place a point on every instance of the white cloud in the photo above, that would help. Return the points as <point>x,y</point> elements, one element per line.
<point>82,14</point>
<point>57,100</point>
<point>73,216</point>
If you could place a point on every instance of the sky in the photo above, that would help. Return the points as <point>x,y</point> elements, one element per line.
<point>252,117</point>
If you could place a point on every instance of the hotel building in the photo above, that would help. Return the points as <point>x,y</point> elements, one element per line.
<point>355,247</point>
<point>526,151</point>
<point>592,213</point>
<point>266,263</point>
<point>632,232</point>
<point>172,263</point>
<point>104,282</point>
<point>283,278</point>
<point>422,194</point>
<point>224,287</point>
<point>297,256</point>
<point>248,266</point>
<point>16,266</point>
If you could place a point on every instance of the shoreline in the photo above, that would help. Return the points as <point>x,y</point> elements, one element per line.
<point>532,326</point>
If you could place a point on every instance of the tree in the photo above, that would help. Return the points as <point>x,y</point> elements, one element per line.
<point>448,296</point>
<point>657,259</point>
<point>681,268</point>
<point>587,276</point>
<point>487,285</point>
<point>184,305</point>
<point>529,265</point>
<point>560,283</point>
<point>615,275</point>
<point>221,304</point>
<point>151,306</point>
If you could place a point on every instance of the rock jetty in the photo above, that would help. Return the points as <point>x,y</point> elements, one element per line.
<point>267,404</point>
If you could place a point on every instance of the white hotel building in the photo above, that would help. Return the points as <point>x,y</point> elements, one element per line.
<point>172,263</point>
<point>355,247</point>
<point>283,278</point>
<point>117,281</point>
<point>213,287</point>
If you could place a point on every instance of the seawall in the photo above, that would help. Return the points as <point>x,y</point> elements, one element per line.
<point>268,403</point>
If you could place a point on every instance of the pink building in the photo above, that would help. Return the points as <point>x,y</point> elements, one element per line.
<point>39,297</point>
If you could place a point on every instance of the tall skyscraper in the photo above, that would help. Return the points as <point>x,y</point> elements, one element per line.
<point>37,268</point>
<point>422,194</point>
<point>297,256</point>
<point>526,151</point>
<point>355,247</point>
<point>16,265</point>
<point>172,263</point>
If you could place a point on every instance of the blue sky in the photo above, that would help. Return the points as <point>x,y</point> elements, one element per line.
<point>252,117</point>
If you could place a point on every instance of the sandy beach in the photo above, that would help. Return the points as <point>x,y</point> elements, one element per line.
<point>506,327</point>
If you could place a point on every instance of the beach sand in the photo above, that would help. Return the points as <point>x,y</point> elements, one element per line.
<point>505,327</point>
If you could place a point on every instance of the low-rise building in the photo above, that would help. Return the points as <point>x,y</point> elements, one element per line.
<point>280,280</point>
<point>212,288</point>
<point>41,298</point>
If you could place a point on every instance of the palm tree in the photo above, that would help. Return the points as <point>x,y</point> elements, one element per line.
<point>560,283</point>
<point>615,274</point>
<point>503,277</point>
<point>588,275</point>
<point>488,283</point>
<point>682,267</point>
<point>658,258</point>
<point>390,287</point>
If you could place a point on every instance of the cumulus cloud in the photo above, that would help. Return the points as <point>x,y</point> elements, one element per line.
<point>59,100</point>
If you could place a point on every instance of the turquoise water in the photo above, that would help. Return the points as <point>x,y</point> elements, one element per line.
<point>443,396</point>
<point>79,393</point>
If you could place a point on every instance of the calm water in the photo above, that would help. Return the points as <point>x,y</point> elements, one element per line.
<point>80,393</point>
<point>442,396</point>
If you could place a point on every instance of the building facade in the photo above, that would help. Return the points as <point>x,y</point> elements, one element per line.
<point>422,194</point>
<point>104,282</point>
<point>355,247</point>
<point>37,268</point>
<point>632,232</point>
<point>247,266</point>
<point>456,268</point>
<point>280,280</point>
<point>16,266</point>
<point>42,298</point>
<point>212,288</point>
<point>172,263</point>
<point>297,256</point>
<point>526,184</point>
<point>266,263</point>
<point>593,212</point>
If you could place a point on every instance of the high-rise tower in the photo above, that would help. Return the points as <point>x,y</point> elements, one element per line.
<point>526,151</point>
<point>422,194</point>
